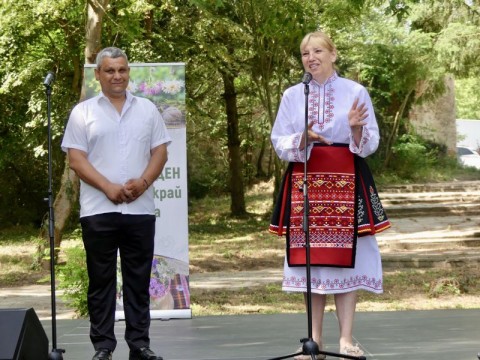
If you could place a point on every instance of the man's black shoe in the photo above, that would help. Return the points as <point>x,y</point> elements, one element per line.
<point>143,354</point>
<point>103,354</point>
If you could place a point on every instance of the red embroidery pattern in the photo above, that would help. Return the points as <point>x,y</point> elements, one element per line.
<point>335,284</point>
<point>320,111</point>
<point>365,137</point>
<point>332,208</point>
<point>297,154</point>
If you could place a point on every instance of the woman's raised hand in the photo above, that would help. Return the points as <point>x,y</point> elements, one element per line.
<point>313,137</point>
<point>357,115</point>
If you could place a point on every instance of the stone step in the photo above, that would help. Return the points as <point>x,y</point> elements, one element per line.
<point>419,210</point>
<point>431,228</point>
<point>457,186</point>
<point>447,252</point>
<point>430,198</point>
<point>403,201</point>
<point>427,260</point>
<point>431,242</point>
<point>471,242</point>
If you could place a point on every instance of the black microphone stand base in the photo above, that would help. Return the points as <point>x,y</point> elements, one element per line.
<point>311,348</point>
<point>56,354</point>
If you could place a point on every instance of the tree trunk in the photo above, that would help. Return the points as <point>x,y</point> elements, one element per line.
<point>237,205</point>
<point>93,30</point>
<point>148,19</point>
<point>69,188</point>
<point>269,100</point>
<point>393,135</point>
<point>260,172</point>
<point>65,201</point>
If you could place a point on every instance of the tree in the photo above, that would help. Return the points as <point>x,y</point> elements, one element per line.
<point>242,42</point>
<point>468,98</point>
<point>453,28</point>
<point>68,193</point>
<point>36,37</point>
<point>240,56</point>
<point>396,62</point>
<point>274,61</point>
<point>222,44</point>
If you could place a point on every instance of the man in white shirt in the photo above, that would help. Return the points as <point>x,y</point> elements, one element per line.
<point>117,145</point>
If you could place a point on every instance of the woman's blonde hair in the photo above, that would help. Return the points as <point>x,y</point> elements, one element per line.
<point>318,37</point>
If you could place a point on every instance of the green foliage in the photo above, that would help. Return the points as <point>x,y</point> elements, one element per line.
<point>468,98</point>
<point>240,38</point>
<point>412,158</point>
<point>454,23</point>
<point>36,37</point>
<point>400,50</point>
<point>444,286</point>
<point>73,280</point>
<point>391,61</point>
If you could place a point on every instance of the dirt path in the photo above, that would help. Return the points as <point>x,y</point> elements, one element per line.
<point>37,297</point>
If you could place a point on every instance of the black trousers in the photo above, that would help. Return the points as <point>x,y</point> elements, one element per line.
<point>133,236</point>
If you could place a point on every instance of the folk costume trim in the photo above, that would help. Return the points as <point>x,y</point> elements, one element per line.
<point>296,142</point>
<point>340,283</point>
<point>371,216</point>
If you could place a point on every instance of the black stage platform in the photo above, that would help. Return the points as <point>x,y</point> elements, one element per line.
<point>417,335</point>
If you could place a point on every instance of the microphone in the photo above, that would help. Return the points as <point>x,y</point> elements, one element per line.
<point>307,77</point>
<point>49,79</point>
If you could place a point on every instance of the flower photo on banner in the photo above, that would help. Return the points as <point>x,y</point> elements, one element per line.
<point>164,85</point>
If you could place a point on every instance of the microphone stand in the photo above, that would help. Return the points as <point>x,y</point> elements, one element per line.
<point>310,347</point>
<point>56,354</point>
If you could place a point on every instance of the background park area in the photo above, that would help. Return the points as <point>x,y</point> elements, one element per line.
<point>418,60</point>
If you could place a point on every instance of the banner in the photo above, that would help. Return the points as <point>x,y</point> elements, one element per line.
<point>164,85</point>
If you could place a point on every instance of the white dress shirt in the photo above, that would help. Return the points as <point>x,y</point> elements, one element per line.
<point>117,145</point>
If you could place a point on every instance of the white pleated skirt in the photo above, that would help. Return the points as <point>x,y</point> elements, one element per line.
<point>366,275</point>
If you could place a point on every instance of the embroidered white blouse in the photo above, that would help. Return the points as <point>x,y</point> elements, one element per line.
<point>328,107</point>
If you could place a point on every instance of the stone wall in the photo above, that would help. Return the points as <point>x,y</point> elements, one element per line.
<point>436,120</point>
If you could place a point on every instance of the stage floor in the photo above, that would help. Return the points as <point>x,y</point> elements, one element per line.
<point>417,335</point>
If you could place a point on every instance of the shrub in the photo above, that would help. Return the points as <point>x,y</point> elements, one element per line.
<point>412,157</point>
<point>73,279</point>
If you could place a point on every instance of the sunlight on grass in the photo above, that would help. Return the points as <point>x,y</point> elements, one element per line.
<point>403,290</point>
<point>219,242</point>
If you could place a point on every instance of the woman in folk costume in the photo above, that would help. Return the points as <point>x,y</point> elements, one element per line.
<point>344,209</point>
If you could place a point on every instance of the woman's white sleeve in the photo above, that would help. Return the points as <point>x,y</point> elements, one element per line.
<point>370,133</point>
<point>286,138</point>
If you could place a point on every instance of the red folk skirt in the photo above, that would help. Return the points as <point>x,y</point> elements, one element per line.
<point>343,204</point>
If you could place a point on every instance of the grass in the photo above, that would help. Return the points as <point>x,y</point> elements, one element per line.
<point>405,290</point>
<point>219,242</point>
<point>18,257</point>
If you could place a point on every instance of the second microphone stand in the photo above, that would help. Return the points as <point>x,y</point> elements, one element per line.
<point>56,354</point>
